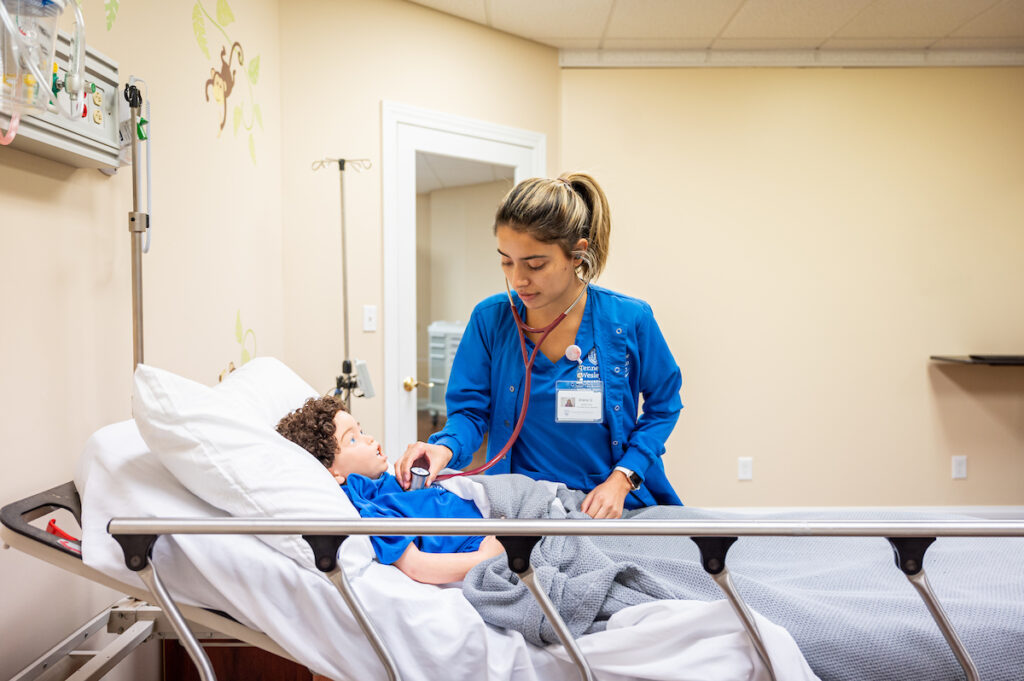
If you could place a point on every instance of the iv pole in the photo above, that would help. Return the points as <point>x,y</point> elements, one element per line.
<point>347,381</point>
<point>138,223</point>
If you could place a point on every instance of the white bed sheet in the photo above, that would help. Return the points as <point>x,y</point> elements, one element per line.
<point>431,632</point>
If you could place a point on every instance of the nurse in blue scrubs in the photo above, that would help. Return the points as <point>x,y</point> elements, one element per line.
<point>584,426</point>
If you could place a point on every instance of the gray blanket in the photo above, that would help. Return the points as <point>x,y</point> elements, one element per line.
<point>851,611</point>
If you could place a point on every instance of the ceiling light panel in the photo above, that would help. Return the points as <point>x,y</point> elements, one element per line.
<point>669,18</point>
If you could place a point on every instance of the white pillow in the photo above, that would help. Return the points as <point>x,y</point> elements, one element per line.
<point>220,443</point>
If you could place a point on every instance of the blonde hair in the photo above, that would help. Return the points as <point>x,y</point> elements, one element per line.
<point>563,211</point>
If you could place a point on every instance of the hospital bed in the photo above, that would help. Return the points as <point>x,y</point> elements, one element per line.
<point>255,589</point>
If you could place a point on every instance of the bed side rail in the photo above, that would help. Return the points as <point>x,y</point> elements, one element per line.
<point>17,516</point>
<point>909,539</point>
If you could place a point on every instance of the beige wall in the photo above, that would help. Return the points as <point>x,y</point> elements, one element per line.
<point>65,334</point>
<point>808,237</point>
<point>463,260</point>
<point>343,59</point>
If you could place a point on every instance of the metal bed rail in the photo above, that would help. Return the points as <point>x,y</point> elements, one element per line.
<point>909,539</point>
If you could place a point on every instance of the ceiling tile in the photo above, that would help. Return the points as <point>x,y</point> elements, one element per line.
<point>877,43</point>
<point>537,19</point>
<point>473,10</point>
<point>979,44</point>
<point>1005,20</point>
<point>572,43</point>
<point>793,18</point>
<point>913,18</point>
<point>669,18</point>
<point>766,43</point>
<point>657,43</point>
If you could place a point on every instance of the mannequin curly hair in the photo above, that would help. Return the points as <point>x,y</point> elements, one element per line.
<point>311,426</point>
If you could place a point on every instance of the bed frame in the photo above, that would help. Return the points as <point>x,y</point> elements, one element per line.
<point>133,619</point>
<point>909,539</point>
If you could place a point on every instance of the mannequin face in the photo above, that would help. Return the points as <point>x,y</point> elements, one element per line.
<point>357,452</point>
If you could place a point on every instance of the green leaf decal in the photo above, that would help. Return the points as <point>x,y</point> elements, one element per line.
<point>224,15</point>
<point>245,355</point>
<point>257,114</point>
<point>252,148</point>
<point>254,70</point>
<point>238,117</point>
<point>110,8</point>
<point>238,326</point>
<point>199,27</point>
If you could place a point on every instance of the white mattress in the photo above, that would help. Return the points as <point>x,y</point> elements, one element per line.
<point>431,632</point>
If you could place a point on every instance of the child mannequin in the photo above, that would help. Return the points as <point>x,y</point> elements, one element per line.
<point>332,435</point>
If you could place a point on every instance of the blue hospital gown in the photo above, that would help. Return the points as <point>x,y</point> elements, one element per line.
<point>385,498</point>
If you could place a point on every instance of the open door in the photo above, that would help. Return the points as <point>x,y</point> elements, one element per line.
<point>486,155</point>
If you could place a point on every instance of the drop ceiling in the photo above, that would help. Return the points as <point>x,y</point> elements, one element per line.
<point>648,33</point>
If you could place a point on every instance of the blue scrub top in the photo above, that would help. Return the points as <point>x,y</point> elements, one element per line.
<point>590,462</point>
<point>485,386</point>
<point>385,498</point>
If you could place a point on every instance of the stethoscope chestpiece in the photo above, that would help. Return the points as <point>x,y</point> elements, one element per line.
<point>419,478</point>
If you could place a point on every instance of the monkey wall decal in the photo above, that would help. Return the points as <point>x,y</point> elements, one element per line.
<point>223,81</point>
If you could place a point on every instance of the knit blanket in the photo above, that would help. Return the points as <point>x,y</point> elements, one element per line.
<point>852,612</point>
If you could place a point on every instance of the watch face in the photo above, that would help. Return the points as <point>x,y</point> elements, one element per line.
<point>634,479</point>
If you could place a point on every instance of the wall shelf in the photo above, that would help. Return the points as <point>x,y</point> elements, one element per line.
<point>989,360</point>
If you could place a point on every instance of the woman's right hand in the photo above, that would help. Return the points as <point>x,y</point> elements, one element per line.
<point>438,457</point>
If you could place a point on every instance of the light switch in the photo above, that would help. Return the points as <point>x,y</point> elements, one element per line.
<point>369,317</point>
<point>745,469</point>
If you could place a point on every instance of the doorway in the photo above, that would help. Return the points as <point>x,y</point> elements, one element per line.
<point>478,159</point>
<point>455,268</point>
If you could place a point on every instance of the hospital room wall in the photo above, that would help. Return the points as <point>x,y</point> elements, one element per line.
<point>807,238</point>
<point>65,281</point>
<point>364,52</point>
<point>462,256</point>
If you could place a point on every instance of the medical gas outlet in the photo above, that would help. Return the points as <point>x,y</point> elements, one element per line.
<point>91,140</point>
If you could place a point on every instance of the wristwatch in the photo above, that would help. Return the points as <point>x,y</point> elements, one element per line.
<point>634,480</point>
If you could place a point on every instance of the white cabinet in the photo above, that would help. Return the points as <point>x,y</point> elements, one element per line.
<point>443,340</point>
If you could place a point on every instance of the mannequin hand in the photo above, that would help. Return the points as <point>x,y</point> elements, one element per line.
<point>437,455</point>
<point>607,499</point>
<point>490,547</point>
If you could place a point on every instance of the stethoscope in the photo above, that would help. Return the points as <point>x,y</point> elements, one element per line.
<point>522,328</point>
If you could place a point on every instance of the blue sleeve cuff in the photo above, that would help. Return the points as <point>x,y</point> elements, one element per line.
<point>452,444</point>
<point>636,461</point>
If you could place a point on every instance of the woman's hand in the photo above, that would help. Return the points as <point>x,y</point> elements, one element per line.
<point>607,499</point>
<point>437,456</point>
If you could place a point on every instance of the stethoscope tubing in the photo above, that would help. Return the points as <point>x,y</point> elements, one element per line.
<point>521,327</point>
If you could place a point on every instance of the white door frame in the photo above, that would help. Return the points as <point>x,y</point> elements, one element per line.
<point>406,130</point>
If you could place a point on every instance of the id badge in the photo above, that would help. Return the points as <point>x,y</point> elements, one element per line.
<point>579,401</point>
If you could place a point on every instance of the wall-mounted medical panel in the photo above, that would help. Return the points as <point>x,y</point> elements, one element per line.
<point>88,141</point>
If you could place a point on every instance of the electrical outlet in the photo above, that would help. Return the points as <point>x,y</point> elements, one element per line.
<point>745,468</point>
<point>959,467</point>
<point>369,317</point>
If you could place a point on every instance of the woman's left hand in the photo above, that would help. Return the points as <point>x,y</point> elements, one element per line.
<point>607,499</point>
